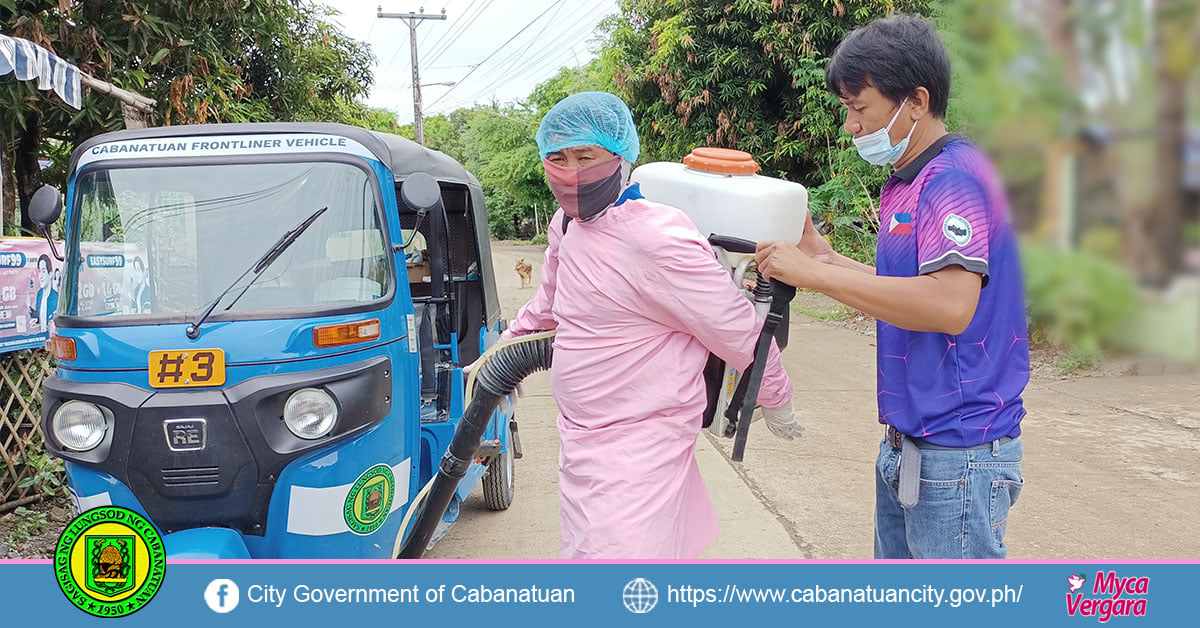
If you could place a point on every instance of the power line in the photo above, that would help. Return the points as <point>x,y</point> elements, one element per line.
<point>437,52</point>
<point>374,21</point>
<point>518,54</point>
<point>449,45</point>
<point>528,68</point>
<point>497,50</point>
<point>466,14</point>
<point>581,26</point>
<point>572,33</point>
<point>395,54</point>
<point>428,48</point>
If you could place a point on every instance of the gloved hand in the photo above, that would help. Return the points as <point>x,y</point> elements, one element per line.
<point>782,421</point>
<point>470,367</point>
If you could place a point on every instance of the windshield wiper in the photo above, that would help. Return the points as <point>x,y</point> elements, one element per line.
<point>193,330</point>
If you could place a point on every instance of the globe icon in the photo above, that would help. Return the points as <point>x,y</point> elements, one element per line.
<point>640,596</point>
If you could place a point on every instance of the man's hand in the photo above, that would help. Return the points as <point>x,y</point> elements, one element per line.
<point>813,243</point>
<point>786,262</point>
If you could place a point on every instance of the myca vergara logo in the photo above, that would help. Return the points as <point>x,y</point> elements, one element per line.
<point>110,561</point>
<point>370,499</point>
<point>1111,596</point>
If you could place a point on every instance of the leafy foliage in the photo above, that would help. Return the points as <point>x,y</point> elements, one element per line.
<point>47,473</point>
<point>750,74</point>
<point>747,74</point>
<point>215,61</point>
<point>25,525</point>
<point>1076,300</point>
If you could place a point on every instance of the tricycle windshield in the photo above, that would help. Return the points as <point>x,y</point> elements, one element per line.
<point>167,240</point>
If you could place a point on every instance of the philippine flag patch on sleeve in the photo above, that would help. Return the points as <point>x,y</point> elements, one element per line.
<point>901,223</point>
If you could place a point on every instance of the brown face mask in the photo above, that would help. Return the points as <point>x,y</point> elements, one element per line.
<point>587,191</point>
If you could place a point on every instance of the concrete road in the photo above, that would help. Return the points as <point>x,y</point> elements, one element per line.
<point>1112,465</point>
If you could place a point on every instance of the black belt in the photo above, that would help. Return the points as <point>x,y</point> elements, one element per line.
<point>894,438</point>
<point>909,487</point>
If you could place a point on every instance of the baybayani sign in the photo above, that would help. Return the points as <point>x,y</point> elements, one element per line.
<point>30,279</point>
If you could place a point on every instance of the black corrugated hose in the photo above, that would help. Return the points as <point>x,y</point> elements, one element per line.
<point>495,377</point>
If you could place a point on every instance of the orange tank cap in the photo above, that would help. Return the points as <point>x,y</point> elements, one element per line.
<point>721,160</point>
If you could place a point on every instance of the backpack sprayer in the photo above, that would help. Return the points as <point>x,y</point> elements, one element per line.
<point>719,190</point>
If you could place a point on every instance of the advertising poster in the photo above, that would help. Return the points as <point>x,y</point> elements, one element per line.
<point>30,281</point>
<point>113,280</point>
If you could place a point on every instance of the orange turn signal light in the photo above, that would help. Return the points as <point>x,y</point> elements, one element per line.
<point>61,348</point>
<point>346,333</point>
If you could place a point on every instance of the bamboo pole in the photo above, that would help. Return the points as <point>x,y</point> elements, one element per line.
<point>137,101</point>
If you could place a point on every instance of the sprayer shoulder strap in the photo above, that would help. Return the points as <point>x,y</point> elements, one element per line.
<point>566,221</point>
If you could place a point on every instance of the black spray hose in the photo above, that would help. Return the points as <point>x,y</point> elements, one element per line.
<point>762,294</point>
<point>745,396</point>
<point>741,406</point>
<point>495,377</point>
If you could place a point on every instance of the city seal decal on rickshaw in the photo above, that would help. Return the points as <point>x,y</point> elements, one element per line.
<point>370,499</point>
<point>110,561</point>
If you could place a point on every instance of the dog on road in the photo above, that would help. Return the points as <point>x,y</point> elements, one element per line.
<point>525,270</point>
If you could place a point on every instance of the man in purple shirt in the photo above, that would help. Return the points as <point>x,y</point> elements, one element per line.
<point>953,357</point>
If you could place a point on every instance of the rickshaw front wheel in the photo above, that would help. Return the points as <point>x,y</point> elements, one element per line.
<point>498,483</point>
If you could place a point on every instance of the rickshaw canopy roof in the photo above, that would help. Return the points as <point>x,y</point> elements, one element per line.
<point>402,155</point>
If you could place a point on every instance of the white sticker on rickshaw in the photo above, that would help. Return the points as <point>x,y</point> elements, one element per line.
<point>84,503</point>
<point>314,511</point>
<point>224,145</point>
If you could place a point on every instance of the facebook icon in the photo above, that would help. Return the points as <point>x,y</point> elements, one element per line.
<point>221,595</point>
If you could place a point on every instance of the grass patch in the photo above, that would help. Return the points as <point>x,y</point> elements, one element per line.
<point>25,525</point>
<point>1076,360</point>
<point>836,312</point>
<point>540,239</point>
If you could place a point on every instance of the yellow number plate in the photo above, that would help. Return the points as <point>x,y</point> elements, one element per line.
<point>187,369</point>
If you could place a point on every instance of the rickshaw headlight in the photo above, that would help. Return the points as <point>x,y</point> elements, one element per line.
<point>310,413</point>
<point>79,425</point>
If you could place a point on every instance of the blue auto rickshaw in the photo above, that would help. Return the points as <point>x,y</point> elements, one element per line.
<point>261,333</point>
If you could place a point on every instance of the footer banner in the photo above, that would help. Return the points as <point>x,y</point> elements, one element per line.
<point>109,581</point>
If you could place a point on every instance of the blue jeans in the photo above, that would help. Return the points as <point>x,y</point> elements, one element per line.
<point>963,507</point>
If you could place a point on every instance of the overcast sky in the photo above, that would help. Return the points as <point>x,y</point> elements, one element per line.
<point>490,48</point>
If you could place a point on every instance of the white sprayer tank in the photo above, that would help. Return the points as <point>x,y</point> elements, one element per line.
<point>719,190</point>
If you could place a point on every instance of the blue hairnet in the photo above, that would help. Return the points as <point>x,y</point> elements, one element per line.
<point>589,118</point>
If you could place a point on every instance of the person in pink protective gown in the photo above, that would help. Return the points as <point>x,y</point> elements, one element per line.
<point>638,301</point>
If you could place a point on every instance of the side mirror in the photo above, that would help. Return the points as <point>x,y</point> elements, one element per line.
<point>421,192</point>
<point>46,206</point>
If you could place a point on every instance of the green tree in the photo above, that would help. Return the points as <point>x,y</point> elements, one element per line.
<point>212,61</point>
<point>750,74</point>
<point>497,145</point>
<point>596,76</point>
<point>746,74</point>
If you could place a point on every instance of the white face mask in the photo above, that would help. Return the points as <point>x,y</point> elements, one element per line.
<point>876,148</point>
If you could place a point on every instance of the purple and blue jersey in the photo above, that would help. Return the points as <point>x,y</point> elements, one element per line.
<point>947,208</point>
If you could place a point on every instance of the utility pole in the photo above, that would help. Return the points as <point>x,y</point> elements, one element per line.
<point>412,19</point>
